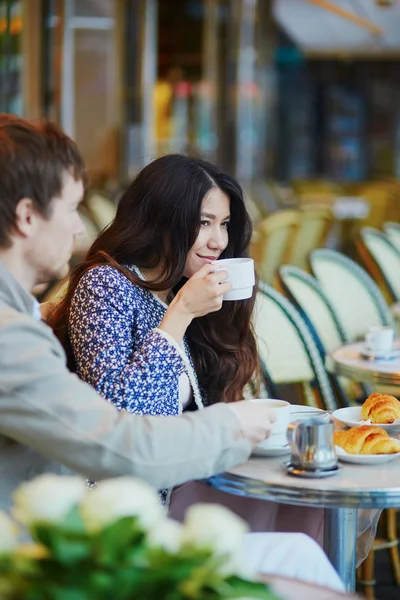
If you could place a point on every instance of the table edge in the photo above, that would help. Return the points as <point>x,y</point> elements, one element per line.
<point>335,366</point>
<point>240,485</point>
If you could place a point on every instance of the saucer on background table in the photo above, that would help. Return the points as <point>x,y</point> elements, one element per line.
<point>365,459</point>
<point>351,416</point>
<point>369,354</point>
<point>317,474</point>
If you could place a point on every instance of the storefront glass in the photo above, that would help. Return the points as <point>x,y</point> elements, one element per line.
<point>11,57</point>
<point>81,78</point>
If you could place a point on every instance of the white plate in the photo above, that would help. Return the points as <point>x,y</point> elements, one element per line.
<point>365,459</point>
<point>369,354</point>
<point>351,417</point>
<point>297,411</point>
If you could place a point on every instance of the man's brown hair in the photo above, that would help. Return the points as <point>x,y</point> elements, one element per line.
<point>33,160</point>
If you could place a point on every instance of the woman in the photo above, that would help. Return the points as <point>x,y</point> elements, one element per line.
<point>145,318</point>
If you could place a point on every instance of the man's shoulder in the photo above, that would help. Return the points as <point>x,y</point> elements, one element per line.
<point>9,316</point>
<point>19,329</point>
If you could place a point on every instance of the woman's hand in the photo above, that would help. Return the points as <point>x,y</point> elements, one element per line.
<point>202,293</point>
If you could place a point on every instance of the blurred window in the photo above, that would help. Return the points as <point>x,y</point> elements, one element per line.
<point>81,78</point>
<point>11,58</point>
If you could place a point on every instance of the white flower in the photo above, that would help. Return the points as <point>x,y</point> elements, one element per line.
<point>47,498</point>
<point>121,497</point>
<point>215,527</point>
<point>8,534</point>
<point>167,534</point>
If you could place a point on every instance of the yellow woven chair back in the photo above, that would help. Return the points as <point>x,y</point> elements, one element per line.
<point>384,202</point>
<point>314,226</point>
<point>272,242</point>
<point>316,186</point>
<point>84,241</point>
<point>102,209</point>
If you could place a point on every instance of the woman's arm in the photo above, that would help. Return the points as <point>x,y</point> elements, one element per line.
<point>105,317</point>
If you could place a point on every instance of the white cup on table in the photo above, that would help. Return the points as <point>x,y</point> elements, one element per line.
<point>240,275</point>
<point>380,338</point>
<point>279,427</point>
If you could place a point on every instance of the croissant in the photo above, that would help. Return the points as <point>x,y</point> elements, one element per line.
<point>366,439</point>
<point>381,408</point>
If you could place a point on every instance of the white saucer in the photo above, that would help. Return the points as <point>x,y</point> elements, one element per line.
<point>272,451</point>
<point>317,474</point>
<point>351,416</point>
<point>364,459</point>
<point>297,411</point>
<point>369,354</point>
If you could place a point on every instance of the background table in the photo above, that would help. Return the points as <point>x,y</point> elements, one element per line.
<point>347,361</point>
<point>354,487</point>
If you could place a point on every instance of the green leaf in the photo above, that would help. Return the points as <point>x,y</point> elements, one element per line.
<point>58,593</point>
<point>115,541</point>
<point>72,525</point>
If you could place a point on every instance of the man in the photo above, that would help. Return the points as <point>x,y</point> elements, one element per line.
<point>45,411</point>
<point>48,417</point>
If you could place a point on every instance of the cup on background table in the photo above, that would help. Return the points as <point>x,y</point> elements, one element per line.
<point>241,276</point>
<point>279,427</point>
<point>379,338</point>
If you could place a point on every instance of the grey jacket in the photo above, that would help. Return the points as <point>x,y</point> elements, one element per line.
<point>49,417</point>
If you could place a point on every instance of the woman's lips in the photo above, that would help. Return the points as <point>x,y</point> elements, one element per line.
<point>208,259</point>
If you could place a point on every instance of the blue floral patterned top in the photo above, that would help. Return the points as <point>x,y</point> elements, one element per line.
<point>119,350</point>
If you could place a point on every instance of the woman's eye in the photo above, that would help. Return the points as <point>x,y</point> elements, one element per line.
<point>205,223</point>
<point>226,224</point>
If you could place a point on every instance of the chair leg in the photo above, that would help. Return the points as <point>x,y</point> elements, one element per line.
<point>367,571</point>
<point>391,514</point>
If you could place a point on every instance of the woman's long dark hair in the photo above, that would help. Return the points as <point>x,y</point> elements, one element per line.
<point>156,224</point>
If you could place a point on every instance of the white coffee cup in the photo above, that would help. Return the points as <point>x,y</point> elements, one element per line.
<point>379,338</point>
<point>240,275</point>
<point>279,427</point>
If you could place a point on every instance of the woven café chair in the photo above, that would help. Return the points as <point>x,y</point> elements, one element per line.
<point>355,297</point>
<point>288,350</point>
<point>392,230</point>
<point>272,243</point>
<point>255,208</point>
<point>382,260</point>
<point>305,186</point>
<point>383,200</point>
<point>266,197</point>
<point>360,307</point>
<point>305,292</point>
<point>101,208</point>
<point>84,241</point>
<point>314,226</point>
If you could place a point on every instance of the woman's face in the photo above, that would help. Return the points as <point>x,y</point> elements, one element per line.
<point>213,235</point>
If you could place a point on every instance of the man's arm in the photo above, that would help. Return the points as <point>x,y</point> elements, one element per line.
<point>45,407</point>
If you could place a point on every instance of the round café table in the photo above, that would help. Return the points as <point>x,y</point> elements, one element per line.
<point>353,487</point>
<point>348,362</point>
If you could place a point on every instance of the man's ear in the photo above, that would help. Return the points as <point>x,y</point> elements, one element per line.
<point>26,217</point>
